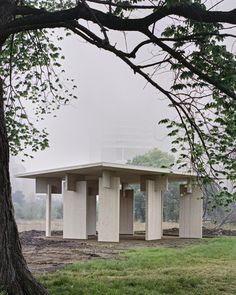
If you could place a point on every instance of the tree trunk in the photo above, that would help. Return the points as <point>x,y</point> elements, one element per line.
<point>15,277</point>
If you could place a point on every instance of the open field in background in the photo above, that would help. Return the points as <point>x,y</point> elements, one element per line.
<point>227,226</point>
<point>203,269</point>
<point>140,226</point>
<point>27,225</point>
<point>57,225</point>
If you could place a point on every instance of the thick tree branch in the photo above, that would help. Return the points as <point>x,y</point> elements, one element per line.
<point>194,12</point>
<point>136,49</point>
<point>26,10</point>
<point>124,5</point>
<point>79,12</point>
<point>61,18</point>
<point>197,37</point>
<point>110,21</point>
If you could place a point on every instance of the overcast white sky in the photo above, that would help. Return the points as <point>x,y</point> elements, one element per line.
<point>109,94</point>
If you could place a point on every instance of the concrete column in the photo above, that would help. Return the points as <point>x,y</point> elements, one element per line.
<point>48,210</point>
<point>91,215</point>
<point>127,212</point>
<point>75,212</point>
<point>109,208</point>
<point>153,210</point>
<point>190,212</point>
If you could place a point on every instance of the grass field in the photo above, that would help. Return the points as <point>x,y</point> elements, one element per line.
<point>207,268</point>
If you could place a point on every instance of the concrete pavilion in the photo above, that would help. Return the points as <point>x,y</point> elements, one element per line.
<point>80,185</point>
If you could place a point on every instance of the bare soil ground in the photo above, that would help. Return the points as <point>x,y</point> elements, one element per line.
<point>51,254</point>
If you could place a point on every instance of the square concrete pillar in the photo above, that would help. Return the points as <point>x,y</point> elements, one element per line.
<point>91,215</point>
<point>190,212</point>
<point>153,210</point>
<point>109,208</point>
<point>75,212</point>
<point>49,210</point>
<point>127,212</point>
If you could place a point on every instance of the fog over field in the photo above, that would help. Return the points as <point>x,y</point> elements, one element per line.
<point>114,118</point>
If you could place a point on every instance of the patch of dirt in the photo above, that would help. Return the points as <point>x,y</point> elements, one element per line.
<point>51,254</point>
<point>207,233</point>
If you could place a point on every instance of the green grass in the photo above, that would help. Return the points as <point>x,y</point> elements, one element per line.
<point>208,268</point>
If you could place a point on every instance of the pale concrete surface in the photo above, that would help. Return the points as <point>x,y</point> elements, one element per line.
<point>109,210</point>
<point>127,173</point>
<point>190,214</point>
<point>115,214</point>
<point>153,211</point>
<point>48,210</point>
<point>75,212</point>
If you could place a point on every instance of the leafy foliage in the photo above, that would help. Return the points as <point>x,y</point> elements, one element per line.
<point>30,65</point>
<point>156,158</point>
<point>153,158</point>
<point>34,208</point>
<point>201,87</point>
<point>205,134</point>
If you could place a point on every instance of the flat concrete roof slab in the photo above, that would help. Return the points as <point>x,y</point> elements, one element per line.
<point>127,173</point>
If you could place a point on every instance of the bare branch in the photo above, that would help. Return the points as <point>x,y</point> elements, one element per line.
<point>154,64</point>
<point>188,65</point>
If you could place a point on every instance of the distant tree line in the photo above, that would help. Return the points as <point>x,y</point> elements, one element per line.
<point>170,204</point>
<point>156,158</point>
<point>35,208</point>
<point>211,210</point>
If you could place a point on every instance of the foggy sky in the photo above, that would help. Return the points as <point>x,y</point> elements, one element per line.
<point>109,95</point>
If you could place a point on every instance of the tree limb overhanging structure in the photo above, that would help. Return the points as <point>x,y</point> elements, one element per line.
<point>185,41</point>
<point>30,18</point>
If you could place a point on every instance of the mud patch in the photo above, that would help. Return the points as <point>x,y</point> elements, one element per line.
<point>50,254</point>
